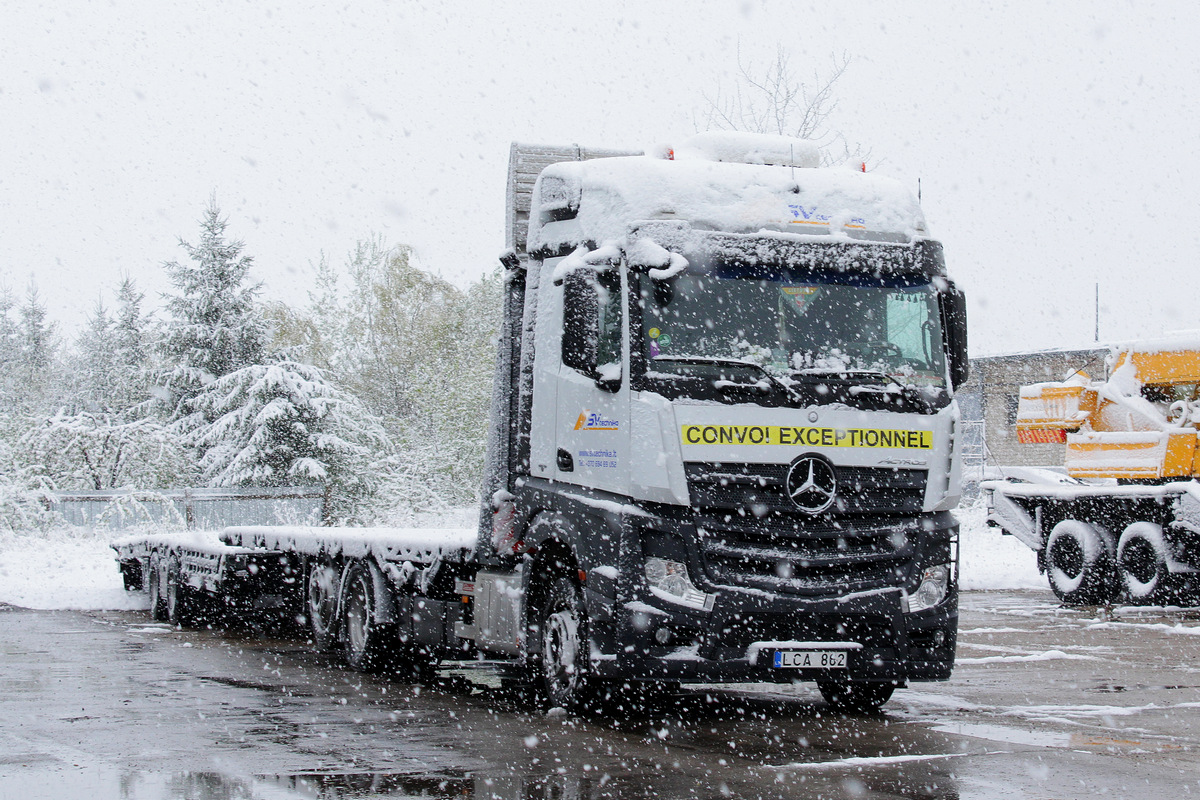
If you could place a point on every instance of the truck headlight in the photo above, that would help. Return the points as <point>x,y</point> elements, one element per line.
<point>670,581</point>
<point>935,585</point>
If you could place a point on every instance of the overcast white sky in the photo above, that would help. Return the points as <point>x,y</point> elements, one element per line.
<point>1055,142</point>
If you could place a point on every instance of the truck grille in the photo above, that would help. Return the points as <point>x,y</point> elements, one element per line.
<point>760,489</point>
<point>805,557</point>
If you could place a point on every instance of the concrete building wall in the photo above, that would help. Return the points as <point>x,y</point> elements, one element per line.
<point>996,382</point>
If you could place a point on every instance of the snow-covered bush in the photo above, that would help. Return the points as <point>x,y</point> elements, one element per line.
<point>96,451</point>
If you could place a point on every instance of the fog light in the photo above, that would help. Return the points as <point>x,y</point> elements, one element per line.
<point>670,581</point>
<point>663,635</point>
<point>934,587</point>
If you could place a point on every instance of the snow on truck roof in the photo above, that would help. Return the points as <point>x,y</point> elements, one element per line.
<point>736,183</point>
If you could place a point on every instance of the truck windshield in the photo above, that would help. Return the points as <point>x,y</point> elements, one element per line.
<point>795,327</point>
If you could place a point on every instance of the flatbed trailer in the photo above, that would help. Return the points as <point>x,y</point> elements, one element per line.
<point>393,591</point>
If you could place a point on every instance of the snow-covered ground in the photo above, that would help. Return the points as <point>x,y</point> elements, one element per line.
<point>76,570</point>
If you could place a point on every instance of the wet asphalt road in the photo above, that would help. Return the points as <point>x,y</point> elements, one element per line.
<point>1045,702</point>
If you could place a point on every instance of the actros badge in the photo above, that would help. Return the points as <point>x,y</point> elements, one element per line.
<point>811,484</point>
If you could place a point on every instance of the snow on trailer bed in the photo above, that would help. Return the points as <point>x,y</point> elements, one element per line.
<point>204,542</point>
<point>1068,489</point>
<point>417,545</point>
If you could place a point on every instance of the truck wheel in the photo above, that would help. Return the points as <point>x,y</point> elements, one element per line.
<point>178,598</point>
<point>1142,560</point>
<point>322,597</point>
<point>366,642</point>
<point>564,656</point>
<point>158,604</point>
<point>847,695</point>
<point>1078,563</point>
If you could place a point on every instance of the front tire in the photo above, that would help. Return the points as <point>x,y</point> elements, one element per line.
<point>564,656</point>
<point>367,642</point>
<point>1079,564</point>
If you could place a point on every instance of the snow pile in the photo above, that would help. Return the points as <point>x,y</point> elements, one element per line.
<point>63,570</point>
<point>77,570</point>
<point>990,560</point>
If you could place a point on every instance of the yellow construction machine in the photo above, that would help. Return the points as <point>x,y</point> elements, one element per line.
<point>1125,524</point>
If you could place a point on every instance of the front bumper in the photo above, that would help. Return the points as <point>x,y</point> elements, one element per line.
<point>660,641</point>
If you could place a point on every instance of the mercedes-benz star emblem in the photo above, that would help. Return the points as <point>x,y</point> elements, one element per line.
<point>811,484</point>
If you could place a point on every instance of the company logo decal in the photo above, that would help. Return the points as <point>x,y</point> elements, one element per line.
<point>811,484</point>
<point>808,215</point>
<point>594,421</point>
<point>811,437</point>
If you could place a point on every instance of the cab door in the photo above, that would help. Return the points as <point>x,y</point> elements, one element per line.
<point>593,388</point>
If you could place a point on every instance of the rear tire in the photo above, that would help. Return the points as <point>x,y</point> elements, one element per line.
<point>158,604</point>
<point>321,593</point>
<point>861,696</point>
<point>1079,564</point>
<point>1142,560</point>
<point>181,599</point>
<point>367,643</point>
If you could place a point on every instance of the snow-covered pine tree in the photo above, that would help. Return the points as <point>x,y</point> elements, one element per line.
<point>10,348</point>
<point>37,349</point>
<point>285,424</point>
<point>215,325</point>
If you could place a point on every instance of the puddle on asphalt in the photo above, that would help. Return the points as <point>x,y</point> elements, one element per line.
<point>37,782</point>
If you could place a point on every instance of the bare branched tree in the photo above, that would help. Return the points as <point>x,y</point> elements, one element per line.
<point>774,100</point>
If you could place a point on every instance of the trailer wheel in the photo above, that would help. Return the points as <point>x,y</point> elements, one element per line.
<point>366,642</point>
<point>158,604</point>
<point>1079,565</point>
<point>863,696</point>
<point>564,656</point>
<point>322,600</point>
<point>1142,559</point>
<point>180,601</point>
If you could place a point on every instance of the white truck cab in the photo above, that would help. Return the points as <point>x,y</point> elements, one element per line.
<point>725,421</point>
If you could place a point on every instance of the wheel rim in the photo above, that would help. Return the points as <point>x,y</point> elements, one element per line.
<point>560,653</point>
<point>1140,561</point>
<point>1068,557</point>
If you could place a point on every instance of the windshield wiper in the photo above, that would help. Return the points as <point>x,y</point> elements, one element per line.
<point>734,362</point>
<point>844,374</point>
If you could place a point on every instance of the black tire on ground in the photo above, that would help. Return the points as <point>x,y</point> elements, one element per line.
<point>367,643</point>
<point>563,665</point>
<point>862,696</point>
<point>131,574</point>
<point>158,602</point>
<point>1079,564</point>
<point>321,605</point>
<point>180,603</point>
<point>1142,561</point>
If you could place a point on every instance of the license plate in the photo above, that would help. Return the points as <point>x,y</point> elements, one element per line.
<point>810,659</point>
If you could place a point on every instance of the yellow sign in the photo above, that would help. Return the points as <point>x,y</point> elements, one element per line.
<point>808,437</point>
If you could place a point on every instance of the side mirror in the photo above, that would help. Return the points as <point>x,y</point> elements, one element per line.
<point>581,322</point>
<point>953,306</point>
